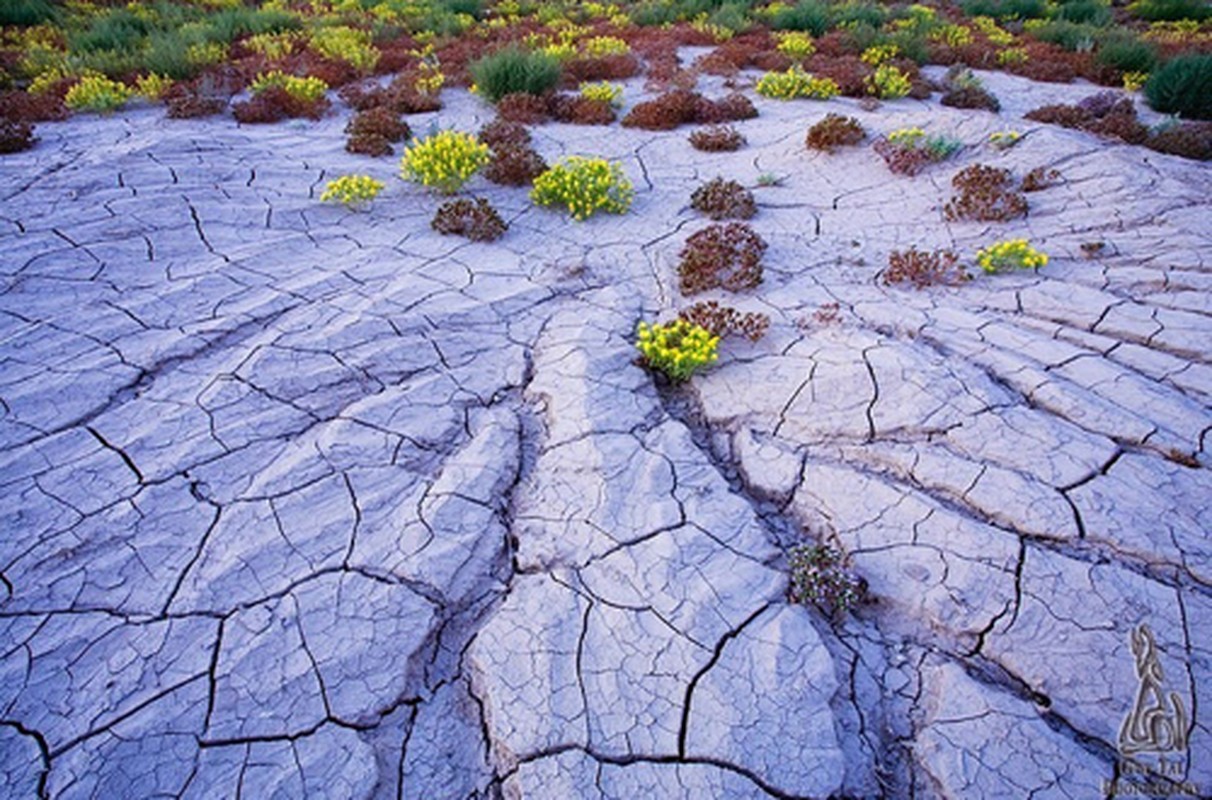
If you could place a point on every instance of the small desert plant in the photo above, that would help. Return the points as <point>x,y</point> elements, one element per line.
<point>716,138</point>
<point>721,199</point>
<point>1039,178</point>
<point>342,43</point>
<point>1010,254</point>
<point>97,93</point>
<point>722,255</point>
<point>1187,139</point>
<point>502,132</point>
<point>820,577</point>
<point>584,186</point>
<point>602,92</point>
<point>795,83</point>
<point>152,86</point>
<point>921,269</point>
<point>834,131</point>
<point>1004,140</point>
<point>15,136</point>
<point>1182,86</point>
<point>724,321</point>
<point>676,349</point>
<point>444,161</point>
<point>477,220</point>
<point>970,97</point>
<point>908,151</point>
<point>514,165</point>
<point>1127,54</point>
<point>380,121</point>
<point>578,110</point>
<point>523,108</point>
<point>795,44</point>
<point>514,70</point>
<point>305,90</point>
<point>352,191</point>
<point>985,194</point>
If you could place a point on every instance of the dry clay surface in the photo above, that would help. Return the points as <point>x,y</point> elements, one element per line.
<point>305,502</point>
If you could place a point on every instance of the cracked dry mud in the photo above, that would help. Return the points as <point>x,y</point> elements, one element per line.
<point>305,502</point>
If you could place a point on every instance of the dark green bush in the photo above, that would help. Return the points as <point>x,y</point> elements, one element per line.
<point>118,29</point>
<point>1072,36</point>
<point>514,70</point>
<point>1091,12</point>
<point>1005,9</point>
<point>860,14</point>
<point>26,12</point>
<point>810,15</point>
<point>1155,10</point>
<point>1127,54</point>
<point>1182,86</point>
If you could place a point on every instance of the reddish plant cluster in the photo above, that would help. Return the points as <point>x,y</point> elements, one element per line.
<point>400,96</point>
<point>1112,115</point>
<point>985,195</point>
<point>1186,139</point>
<point>684,107</point>
<point>15,136</point>
<point>725,321</point>
<point>477,220</point>
<point>276,104</point>
<point>849,72</point>
<point>18,106</point>
<point>514,165</point>
<point>577,110</point>
<point>605,68</point>
<point>722,255</point>
<point>921,269</point>
<point>503,133</point>
<point>970,97</point>
<point>903,160</point>
<point>721,199</point>
<point>716,138</point>
<point>834,131</point>
<point>1039,178</point>
<point>372,132</point>
<point>522,107</point>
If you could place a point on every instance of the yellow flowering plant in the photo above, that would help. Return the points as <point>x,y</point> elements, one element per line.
<point>1004,140</point>
<point>1010,254</point>
<point>352,191</point>
<point>888,83</point>
<point>795,44</point>
<point>677,349</point>
<point>585,186</point>
<point>152,86</point>
<point>98,93</point>
<point>342,43</point>
<point>603,92</point>
<point>307,89</point>
<point>795,83</point>
<point>444,161</point>
<point>880,53</point>
<point>602,46</point>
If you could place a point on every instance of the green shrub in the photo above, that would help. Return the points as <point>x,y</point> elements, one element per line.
<point>1005,9</point>
<point>584,186</point>
<point>1155,10</point>
<point>810,15</point>
<point>445,161</point>
<point>1127,54</point>
<point>1182,86</point>
<point>26,12</point>
<point>855,13</point>
<point>1092,12</point>
<point>677,349</point>
<point>117,29</point>
<point>1072,36</point>
<point>514,70</point>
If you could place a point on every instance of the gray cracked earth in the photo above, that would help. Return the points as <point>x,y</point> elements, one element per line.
<point>305,502</point>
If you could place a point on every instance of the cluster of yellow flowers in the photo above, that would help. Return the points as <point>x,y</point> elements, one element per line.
<point>444,161</point>
<point>273,46</point>
<point>718,33</point>
<point>1013,55</point>
<point>1133,81</point>
<point>152,86</point>
<point>603,91</point>
<point>584,186</point>
<point>951,35</point>
<point>95,92</point>
<point>602,46</point>
<point>888,82</point>
<point>988,26</point>
<point>309,89</point>
<point>906,137</point>
<point>342,43</point>
<point>880,53</point>
<point>794,83</point>
<point>678,348</point>
<point>1010,254</point>
<point>352,190</point>
<point>1004,140</point>
<point>795,44</point>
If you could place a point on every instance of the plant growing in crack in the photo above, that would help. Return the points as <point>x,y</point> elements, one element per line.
<point>821,577</point>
